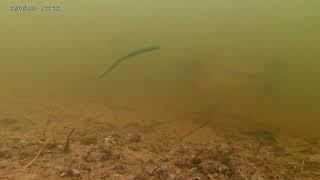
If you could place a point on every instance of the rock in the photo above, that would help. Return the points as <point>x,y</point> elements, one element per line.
<point>85,167</point>
<point>161,173</point>
<point>134,138</point>
<point>59,168</point>
<point>113,139</point>
<point>105,148</point>
<point>197,178</point>
<point>63,174</point>
<point>150,169</point>
<point>75,172</point>
<point>4,152</point>
<point>60,146</point>
<point>92,157</point>
<point>256,176</point>
<point>172,177</point>
<point>110,141</point>
<point>116,177</point>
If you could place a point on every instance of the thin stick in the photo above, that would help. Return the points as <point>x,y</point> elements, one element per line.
<point>66,147</point>
<point>49,119</point>
<point>194,130</point>
<point>302,166</point>
<point>44,145</point>
<point>46,126</point>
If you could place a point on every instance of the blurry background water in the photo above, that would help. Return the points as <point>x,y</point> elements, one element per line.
<point>258,59</point>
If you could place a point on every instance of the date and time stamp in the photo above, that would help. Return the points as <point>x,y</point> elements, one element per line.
<point>35,8</point>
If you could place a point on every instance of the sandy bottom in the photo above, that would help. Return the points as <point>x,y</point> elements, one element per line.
<point>117,142</point>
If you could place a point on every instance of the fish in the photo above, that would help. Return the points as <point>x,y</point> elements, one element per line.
<point>129,56</point>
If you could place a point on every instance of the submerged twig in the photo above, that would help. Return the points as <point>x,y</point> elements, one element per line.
<point>46,127</point>
<point>66,146</point>
<point>194,130</point>
<point>302,166</point>
<point>264,138</point>
<point>48,121</point>
<point>44,146</point>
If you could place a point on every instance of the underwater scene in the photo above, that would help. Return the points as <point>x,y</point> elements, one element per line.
<point>181,89</point>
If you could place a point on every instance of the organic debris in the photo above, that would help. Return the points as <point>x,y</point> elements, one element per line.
<point>43,147</point>
<point>132,152</point>
<point>67,144</point>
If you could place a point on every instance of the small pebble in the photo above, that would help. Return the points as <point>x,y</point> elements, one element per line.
<point>75,172</point>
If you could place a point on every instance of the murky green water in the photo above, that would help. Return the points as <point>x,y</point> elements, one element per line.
<point>252,58</point>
